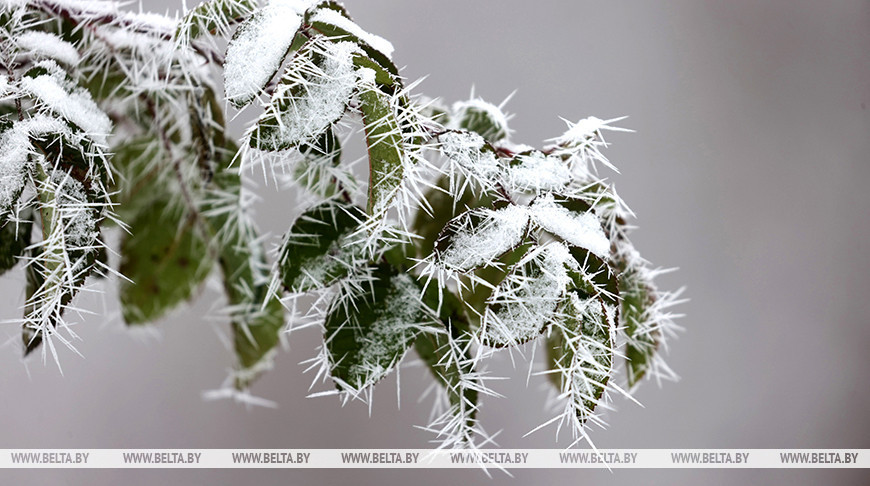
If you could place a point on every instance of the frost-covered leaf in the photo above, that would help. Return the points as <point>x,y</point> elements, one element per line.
<point>14,238</point>
<point>212,17</point>
<point>523,303</point>
<point>638,297</point>
<point>312,95</point>
<point>368,331</point>
<point>447,354</point>
<point>593,277</point>
<point>450,364</point>
<point>256,336</point>
<point>256,314</point>
<point>535,171</point>
<point>442,207</point>
<point>315,170</point>
<point>165,257</point>
<point>257,49</point>
<point>384,141</point>
<point>478,237</point>
<point>471,158</point>
<point>331,20</point>
<point>71,199</point>
<point>482,118</point>
<point>570,222</point>
<point>320,247</point>
<point>580,352</point>
<point>14,151</point>
<point>49,84</point>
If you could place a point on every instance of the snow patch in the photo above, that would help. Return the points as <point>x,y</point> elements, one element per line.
<point>526,299</point>
<point>333,17</point>
<point>65,99</point>
<point>303,116</point>
<point>538,172</point>
<point>579,229</point>
<point>467,151</point>
<point>50,46</point>
<point>15,148</point>
<point>498,231</point>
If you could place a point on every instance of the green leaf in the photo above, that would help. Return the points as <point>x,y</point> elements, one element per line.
<point>212,17</point>
<point>580,352</point>
<point>14,238</point>
<point>637,297</point>
<point>320,247</point>
<point>478,294</point>
<point>367,332</point>
<point>384,79</point>
<point>139,179</point>
<point>449,366</point>
<point>384,141</point>
<point>319,158</point>
<point>483,123</point>
<point>254,336</point>
<point>257,316</point>
<point>165,257</point>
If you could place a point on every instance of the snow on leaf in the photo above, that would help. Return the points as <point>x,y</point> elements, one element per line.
<point>320,247</point>
<point>257,49</point>
<point>523,303</point>
<point>367,334</point>
<point>334,23</point>
<point>442,205</point>
<point>45,44</point>
<point>48,83</point>
<point>470,156</point>
<point>478,237</point>
<point>312,95</point>
<point>575,227</point>
<point>535,171</point>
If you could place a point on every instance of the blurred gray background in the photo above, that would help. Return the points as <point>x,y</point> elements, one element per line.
<point>749,171</point>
